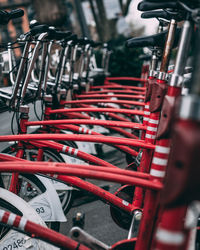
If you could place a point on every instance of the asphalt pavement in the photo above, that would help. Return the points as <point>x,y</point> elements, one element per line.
<point>98,221</point>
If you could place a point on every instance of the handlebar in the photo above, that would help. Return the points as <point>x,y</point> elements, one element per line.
<point>6,16</point>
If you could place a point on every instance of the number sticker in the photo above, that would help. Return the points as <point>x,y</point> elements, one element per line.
<point>16,244</point>
<point>40,210</point>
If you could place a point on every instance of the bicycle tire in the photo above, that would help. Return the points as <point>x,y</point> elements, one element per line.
<point>13,203</point>
<point>65,197</point>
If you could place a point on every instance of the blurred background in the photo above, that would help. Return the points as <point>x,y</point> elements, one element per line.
<point>111,21</point>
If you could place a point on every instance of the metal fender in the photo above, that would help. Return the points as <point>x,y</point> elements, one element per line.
<point>48,204</point>
<point>14,239</point>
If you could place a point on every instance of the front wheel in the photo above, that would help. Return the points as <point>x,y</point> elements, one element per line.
<point>10,239</point>
<point>49,155</point>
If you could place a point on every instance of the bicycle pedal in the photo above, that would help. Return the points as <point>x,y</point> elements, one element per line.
<point>86,239</point>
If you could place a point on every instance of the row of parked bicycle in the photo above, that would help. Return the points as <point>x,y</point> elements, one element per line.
<point>79,107</point>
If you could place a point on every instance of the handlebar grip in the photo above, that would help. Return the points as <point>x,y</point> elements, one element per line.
<point>145,5</point>
<point>16,13</point>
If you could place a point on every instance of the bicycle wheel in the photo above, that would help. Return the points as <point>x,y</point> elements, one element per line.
<point>10,239</point>
<point>49,155</point>
<point>29,188</point>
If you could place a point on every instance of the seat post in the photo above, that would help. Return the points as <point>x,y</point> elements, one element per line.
<point>168,47</point>
<point>156,53</point>
<point>158,92</point>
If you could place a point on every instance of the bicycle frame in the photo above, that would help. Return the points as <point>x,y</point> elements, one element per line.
<point>155,144</point>
<point>37,231</point>
<point>63,172</point>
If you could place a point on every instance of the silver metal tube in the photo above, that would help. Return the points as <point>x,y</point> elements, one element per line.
<point>74,54</point>
<point>190,108</point>
<point>85,60</point>
<point>19,74</point>
<point>181,58</point>
<point>72,60</point>
<point>10,62</point>
<point>154,62</point>
<point>104,56</point>
<point>47,66</point>
<point>33,76</point>
<point>168,46</point>
<point>64,59</point>
<point>87,65</point>
<point>50,76</point>
<point>183,48</point>
<point>34,57</point>
<point>42,68</point>
<point>107,62</point>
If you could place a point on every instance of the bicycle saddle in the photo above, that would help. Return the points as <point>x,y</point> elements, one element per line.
<point>36,30</point>
<point>58,35</point>
<point>6,16</point>
<point>179,16</point>
<point>189,3</point>
<point>165,4</point>
<point>54,34</point>
<point>157,40</point>
<point>149,5</point>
